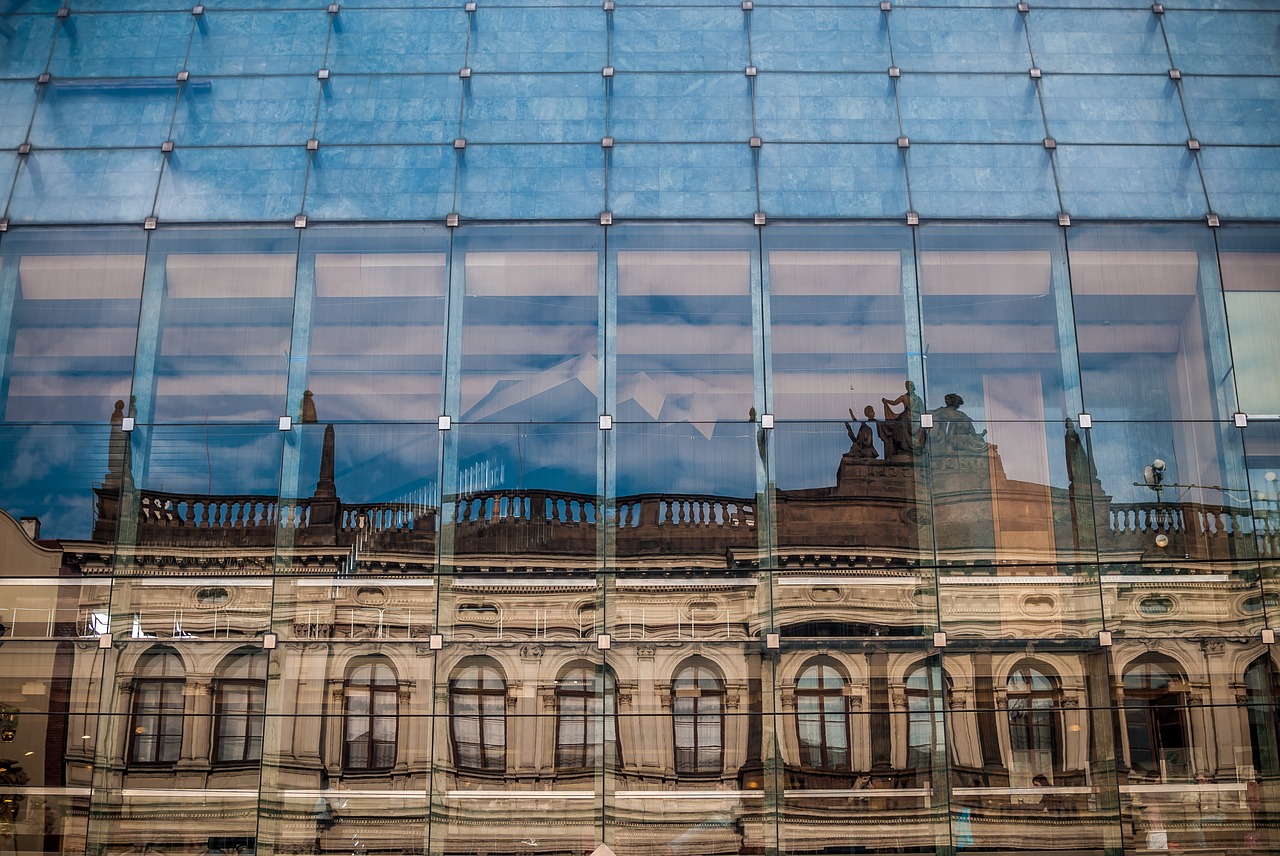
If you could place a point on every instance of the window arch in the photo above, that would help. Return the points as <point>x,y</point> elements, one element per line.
<point>924,715</point>
<point>1035,733</point>
<point>1155,701</point>
<point>586,718</point>
<point>240,706</point>
<point>478,718</point>
<point>156,736</point>
<point>372,716</point>
<point>822,716</point>
<point>698,719</point>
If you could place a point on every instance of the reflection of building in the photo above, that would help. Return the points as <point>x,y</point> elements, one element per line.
<point>504,427</point>
<point>853,727</point>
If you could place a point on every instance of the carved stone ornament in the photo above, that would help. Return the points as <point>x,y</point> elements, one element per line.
<point>1071,701</point>
<point>531,652</point>
<point>1213,647</point>
<point>856,702</point>
<point>788,701</point>
<point>549,701</point>
<point>646,652</point>
<point>1242,697</point>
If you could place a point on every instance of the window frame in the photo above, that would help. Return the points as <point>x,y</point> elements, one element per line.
<point>821,694</point>
<point>697,717</point>
<point>371,691</point>
<point>599,700</point>
<point>488,766</point>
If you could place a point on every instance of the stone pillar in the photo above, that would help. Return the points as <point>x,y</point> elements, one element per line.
<point>881,736</point>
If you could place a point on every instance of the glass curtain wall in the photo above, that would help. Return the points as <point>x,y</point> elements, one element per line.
<point>699,536</point>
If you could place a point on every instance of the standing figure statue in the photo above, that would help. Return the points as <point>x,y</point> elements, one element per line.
<point>902,429</point>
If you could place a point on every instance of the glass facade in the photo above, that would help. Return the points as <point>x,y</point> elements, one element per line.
<point>764,428</point>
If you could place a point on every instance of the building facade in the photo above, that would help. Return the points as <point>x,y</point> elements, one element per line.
<point>726,427</point>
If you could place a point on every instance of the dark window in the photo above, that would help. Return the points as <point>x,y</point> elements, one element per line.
<point>822,718</point>
<point>1264,723</point>
<point>698,709</point>
<point>586,719</point>
<point>157,709</point>
<point>371,717</point>
<point>1155,719</point>
<point>1034,702</point>
<point>477,708</point>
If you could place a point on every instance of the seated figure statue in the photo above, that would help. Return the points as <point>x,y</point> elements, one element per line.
<point>954,429</point>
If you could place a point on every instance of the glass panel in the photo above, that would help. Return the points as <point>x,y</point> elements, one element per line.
<point>102,114</point>
<point>385,108</point>
<point>1232,110</point>
<point>1223,42</point>
<point>1082,108</point>
<point>685,180</point>
<point>671,39</point>
<point>833,180</point>
<point>1129,182</point>
<point>960,40</point>
<point>60,482</point>
<point>73,323</point>
<point>530,344</point>
<point>243,111</point>
<point>671,108</point>
<point>531,181</point>
<point>1262,456</point>
<point>232,184</point>
<point>981,181</point>
<point>1099,41</point>
<point>998,108</point>
<point>825,108</point>
<point>26,53</point>
<point>1242,182</point>
<point>838,319</point>
<point>526,498</point>
<point>1174,493</point>
<point>189,490</point>
<point>93,186</point>
<point>1148,305</point>
<point>390,41</point>
<point>533,108</point>
<point>822,38</point>
<point>381,183</point>
<point>220,306</point>
<point>543,39</point>
<point>377,322</point>
<point>258,42</point>
<point>1250,261</point>
<point>134,45</point>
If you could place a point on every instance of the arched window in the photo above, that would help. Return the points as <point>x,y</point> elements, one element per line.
<point>372,709</point>
<point>157,708</point>
<point>1264,725</point>
<point>1155,718</point>
<point>240,705</point>
<point>822,717</point>
<point>925,701</point>
<point>586,719</point>
<point>1035,700</point>
<point>698,708</point>
<point>478,715</point>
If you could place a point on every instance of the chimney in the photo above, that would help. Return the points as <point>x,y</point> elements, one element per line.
<point>31,525</point>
